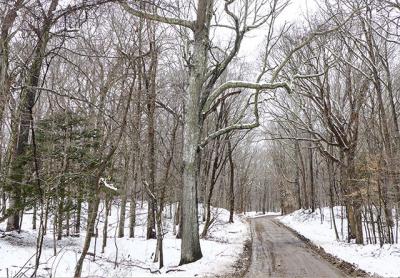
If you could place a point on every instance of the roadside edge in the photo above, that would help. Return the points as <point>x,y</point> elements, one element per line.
<point>348,268</point>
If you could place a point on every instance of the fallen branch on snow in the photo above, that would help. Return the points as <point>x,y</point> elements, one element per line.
<point>174,270</point>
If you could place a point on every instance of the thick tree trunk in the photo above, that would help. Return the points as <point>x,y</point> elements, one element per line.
<point>13,219</point>
<point>352,198</point>
<point>190,250</point>
<point>6,25</point>
<point>159,249</point>
<point>28,98</point>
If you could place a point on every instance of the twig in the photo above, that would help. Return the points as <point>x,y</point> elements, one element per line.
<point>174,270</point>
<point>16,275</point>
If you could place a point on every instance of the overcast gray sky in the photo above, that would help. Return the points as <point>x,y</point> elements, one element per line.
<point>296,11</point>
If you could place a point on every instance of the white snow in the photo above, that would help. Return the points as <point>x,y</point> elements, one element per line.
<point>383,261</point>
<point>221,250</point>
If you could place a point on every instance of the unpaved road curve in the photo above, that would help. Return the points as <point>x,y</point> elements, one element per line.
<point>277,252</point>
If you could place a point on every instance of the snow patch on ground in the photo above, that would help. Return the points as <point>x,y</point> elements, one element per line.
<point>318,228</point>
<point>133,256</point>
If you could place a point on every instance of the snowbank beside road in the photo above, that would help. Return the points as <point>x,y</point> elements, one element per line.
<point>318,228</point>
<point>125,256</point>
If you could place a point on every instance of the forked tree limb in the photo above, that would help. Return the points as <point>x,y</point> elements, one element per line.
<point>156,17</point>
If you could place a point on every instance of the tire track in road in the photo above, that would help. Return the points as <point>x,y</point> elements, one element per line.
<point>279,253</point>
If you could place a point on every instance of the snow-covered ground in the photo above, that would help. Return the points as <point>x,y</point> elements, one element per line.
<point>134,257</point>
<point>318,228</point>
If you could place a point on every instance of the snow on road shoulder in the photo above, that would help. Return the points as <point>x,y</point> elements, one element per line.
<point>222,248</point>
<point>383,261</point>
<point>134,256</point>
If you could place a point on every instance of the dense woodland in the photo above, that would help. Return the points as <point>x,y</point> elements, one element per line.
<point>106,101</point>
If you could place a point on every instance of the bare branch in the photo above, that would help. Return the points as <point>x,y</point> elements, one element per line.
<point>243,84</point>
<point>156,17</point>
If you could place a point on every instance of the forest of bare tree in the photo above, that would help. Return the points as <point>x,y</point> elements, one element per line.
<point>114,105</point>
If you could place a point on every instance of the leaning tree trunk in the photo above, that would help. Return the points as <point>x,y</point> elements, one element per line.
<point>92,215</point>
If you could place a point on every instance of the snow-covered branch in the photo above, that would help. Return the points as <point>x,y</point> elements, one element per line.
<point>108,185</point>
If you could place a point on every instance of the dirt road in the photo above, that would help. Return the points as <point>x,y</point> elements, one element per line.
<point>279,253</point>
